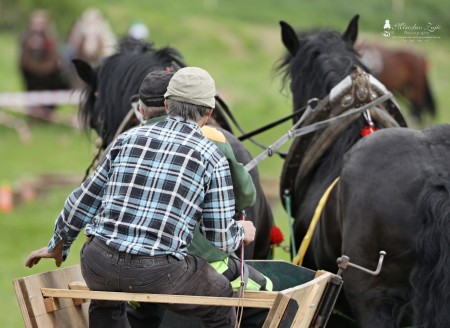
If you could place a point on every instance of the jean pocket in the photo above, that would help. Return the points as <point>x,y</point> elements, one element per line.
<point>96,278</point>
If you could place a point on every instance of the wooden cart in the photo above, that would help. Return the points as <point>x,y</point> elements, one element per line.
<point>303,298</point>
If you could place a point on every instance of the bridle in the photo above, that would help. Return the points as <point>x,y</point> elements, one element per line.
<point>342,93</point>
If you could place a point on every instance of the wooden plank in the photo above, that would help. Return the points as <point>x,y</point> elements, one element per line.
<point>79,285</point>
<point>23,305</point>
<point>32,304</point>
<point>276,313</point>
<point>306,312</point>
<point>260,295</point>
<point>158,298</point>
<point>309,298</point>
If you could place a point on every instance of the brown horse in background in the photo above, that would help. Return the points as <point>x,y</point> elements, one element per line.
<point>403,72</point>
<point>40,61</point>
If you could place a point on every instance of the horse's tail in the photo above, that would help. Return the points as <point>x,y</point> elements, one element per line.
<point>430,277</point>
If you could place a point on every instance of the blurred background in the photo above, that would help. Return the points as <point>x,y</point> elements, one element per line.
<point>44,153</point>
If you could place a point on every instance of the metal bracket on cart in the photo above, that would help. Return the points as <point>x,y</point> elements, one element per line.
<point>344,262</point>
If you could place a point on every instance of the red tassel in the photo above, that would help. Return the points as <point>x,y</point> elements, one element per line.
<point>368,129</point>
<point>276,236</point>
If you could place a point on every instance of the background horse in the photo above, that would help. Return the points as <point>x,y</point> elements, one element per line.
<point>111,89</point>
<point>90,39</point>
<point>404,72</point>
<point>40,60</point>
<point>392,195</point>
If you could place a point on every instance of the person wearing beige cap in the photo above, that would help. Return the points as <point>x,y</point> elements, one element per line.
<point>151,106</point>
<point>140,206</point>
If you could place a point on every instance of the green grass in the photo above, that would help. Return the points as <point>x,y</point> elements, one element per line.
<point>238,42</point>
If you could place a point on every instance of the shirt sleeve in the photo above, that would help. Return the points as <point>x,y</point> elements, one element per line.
<point>81,206</point>
<point>218,225</point>
<point>243,186</point>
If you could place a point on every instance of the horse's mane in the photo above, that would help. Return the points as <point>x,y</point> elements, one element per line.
<point>118,79</point>
<point>324,59</point>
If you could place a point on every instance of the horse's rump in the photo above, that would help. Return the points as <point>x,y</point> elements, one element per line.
<point>397,180</point>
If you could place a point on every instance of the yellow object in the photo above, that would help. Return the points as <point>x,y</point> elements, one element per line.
<point>222,266</point>
<point>298,260</point>
<point>213,134</point>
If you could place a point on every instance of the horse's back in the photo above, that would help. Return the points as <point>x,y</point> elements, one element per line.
<point>397,153</point>
<point>391,167</point>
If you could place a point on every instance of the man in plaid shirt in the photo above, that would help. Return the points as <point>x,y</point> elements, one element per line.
<point>142,203</point>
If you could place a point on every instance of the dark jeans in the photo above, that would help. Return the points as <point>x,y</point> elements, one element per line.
<point>147,315</point>
<point>106,269</point>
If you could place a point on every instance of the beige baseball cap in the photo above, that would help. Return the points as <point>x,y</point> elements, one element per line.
<point>192,85</point>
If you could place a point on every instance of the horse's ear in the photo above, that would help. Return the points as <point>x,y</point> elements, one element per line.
<point>351,33</point>
<point>289,38</point>
<point>85,72</point>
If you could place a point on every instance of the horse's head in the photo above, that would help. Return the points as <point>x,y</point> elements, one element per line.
<point>323,64</point>
<point>317,60</point>
<point>114,85</point>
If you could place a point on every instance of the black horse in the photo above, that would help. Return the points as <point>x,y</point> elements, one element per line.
<point>110,91</point>
<point>393,193</point>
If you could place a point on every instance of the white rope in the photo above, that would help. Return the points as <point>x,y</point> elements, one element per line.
<point>40,98</point>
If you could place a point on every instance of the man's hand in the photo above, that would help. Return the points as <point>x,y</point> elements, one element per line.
<point>42,253</point>
<point>249,231</point>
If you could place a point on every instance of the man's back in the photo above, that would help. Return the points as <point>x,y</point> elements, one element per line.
<point>173,165</point>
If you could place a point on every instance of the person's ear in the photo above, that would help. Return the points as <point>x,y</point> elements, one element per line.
<point>166,106</point>
<point>207,116</point>
<point>140,113</point>
<point>141,110</point>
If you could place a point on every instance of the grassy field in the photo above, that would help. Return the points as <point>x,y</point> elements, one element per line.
<point>238,42</point>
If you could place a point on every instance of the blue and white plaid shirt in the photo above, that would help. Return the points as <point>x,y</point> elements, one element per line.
<point>149,192</point>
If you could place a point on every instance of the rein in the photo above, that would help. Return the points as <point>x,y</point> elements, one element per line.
<point>99,145</point>
<point>270,125</point>
<point>298,259</point>
<point>245,135</point>
<point>294,132</point>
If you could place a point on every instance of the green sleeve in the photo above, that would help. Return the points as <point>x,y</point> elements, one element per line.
<point>243,187</point>
<point>200,246</point>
